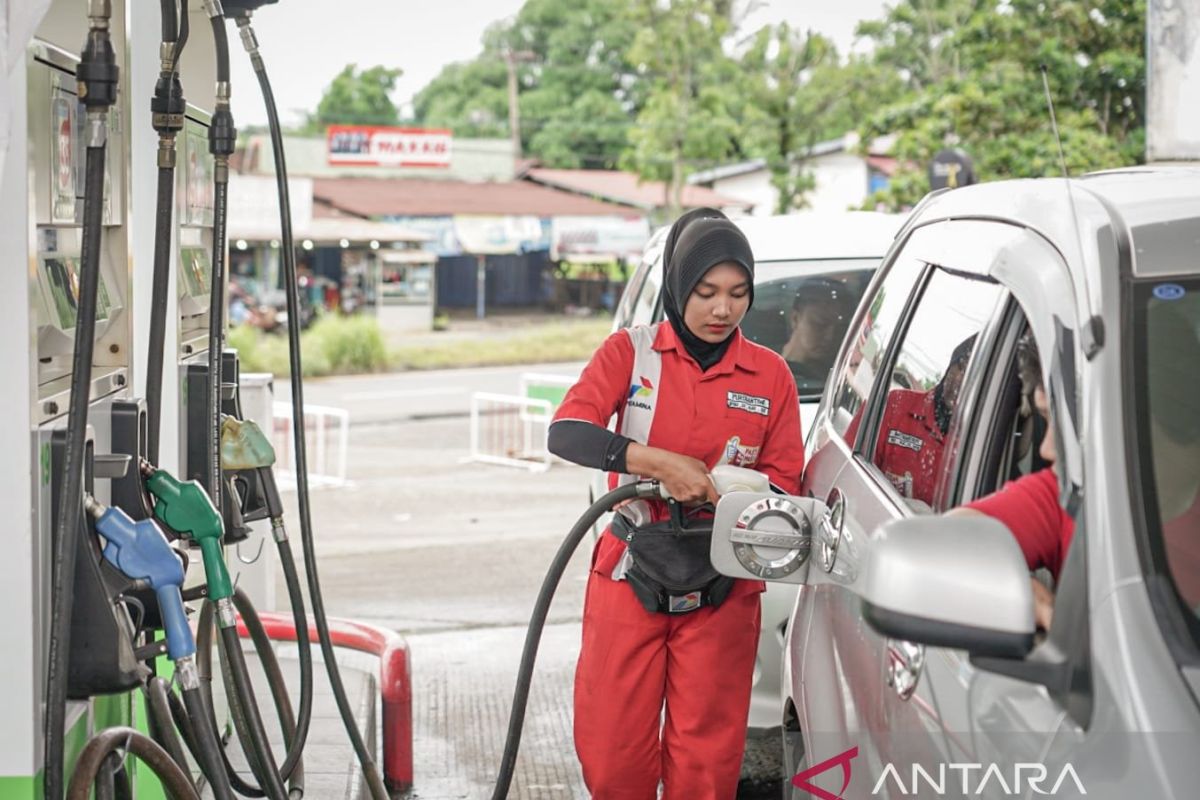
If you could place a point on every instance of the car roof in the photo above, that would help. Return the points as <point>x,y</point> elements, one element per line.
<point>811,235</point>
<point>821,235</point>
<point>1135,199</point>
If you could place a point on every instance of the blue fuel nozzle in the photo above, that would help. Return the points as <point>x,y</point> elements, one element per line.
<point>141,552</point>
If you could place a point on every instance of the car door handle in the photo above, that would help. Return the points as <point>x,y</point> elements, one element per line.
<point>905,662</point>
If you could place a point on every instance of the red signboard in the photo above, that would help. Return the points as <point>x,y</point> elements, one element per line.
<point>374,145</point>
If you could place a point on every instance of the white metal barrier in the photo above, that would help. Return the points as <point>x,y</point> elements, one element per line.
<point>326,442</point>
<point>510,430</point>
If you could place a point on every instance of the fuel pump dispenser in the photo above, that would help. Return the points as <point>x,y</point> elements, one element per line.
<point>110,532</point>
<point>76,262</point>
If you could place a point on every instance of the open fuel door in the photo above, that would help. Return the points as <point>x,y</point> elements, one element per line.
<point>769,537</point>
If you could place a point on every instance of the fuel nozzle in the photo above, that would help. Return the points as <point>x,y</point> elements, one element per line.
<point>245,448</point>
<point>142,553</point>
<point>184,507</point>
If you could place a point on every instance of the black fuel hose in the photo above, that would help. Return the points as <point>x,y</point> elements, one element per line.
<point>69,518</point>
<point>294,772</point>
<point>204,646</point>
<point>201,735</point>
<point>293,769</point>
<point>158,712</point>
<point>244,707</point>
<point>105,787</point>
<point>160,289</point>
<point>170,21</point>
<point>111,740</point>
<point>245,720</point>
<point>245,703</point>
<point>112,783</point>
<point>295,729</point>
<point>220,37</point>
<point>216,338</point>
<point>365,759</point>
<point>537,621</point>
<point>183,724</point>
<point>184,29</point>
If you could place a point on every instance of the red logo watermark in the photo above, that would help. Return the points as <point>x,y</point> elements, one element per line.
<point>801,781</point>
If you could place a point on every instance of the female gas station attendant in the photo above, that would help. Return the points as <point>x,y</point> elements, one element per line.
<point>689,393</point>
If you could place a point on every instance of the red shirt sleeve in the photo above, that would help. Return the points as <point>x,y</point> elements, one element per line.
<point>1029,508</point>
<point>603,385</point>
<point>782,456</point>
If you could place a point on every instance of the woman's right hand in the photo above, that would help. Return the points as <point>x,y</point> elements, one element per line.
<point>685,478</point>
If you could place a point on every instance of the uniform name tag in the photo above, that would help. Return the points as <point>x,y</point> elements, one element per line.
<point>901,439</point>
<point>748,402</point>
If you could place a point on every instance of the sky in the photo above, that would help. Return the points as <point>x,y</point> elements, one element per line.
<point>305,46</point>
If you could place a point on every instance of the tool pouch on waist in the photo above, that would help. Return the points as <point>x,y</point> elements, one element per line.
<point>671,571</point>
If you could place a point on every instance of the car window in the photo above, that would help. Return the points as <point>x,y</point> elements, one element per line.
<point>632,291</point>
<point>801,310</point>
<point>647,307</point>
<point>870,344</point>
<point>912,448</point>
<point>1166,361</point>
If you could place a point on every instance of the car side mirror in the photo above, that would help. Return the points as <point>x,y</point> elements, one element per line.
<point>764,536</point>
<point>949,581</point>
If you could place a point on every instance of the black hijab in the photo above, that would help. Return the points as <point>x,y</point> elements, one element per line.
<point>698,241</point>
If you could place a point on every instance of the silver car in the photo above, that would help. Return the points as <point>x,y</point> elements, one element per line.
<point>912,666</point>
<point>820,260</point>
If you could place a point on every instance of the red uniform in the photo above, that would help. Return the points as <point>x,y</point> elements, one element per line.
<point>1029,508</point>
<point>744,411</point>
<point>910,445</point>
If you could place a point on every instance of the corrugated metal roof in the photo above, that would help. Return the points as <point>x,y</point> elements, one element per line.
<point>371,197</point>
<point>627,189</point>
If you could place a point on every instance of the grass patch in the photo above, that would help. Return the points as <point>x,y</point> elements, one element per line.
<point>334,345</point>
<point>560,341</point>
<point>337,345</point>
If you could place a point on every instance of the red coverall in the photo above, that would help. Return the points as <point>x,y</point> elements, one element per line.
<point>699,663</point>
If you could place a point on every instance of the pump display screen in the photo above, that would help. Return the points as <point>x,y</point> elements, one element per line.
<point>61,276</point>
<point>196,269</point>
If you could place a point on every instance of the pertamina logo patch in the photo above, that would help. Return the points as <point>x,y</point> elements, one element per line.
<point>640,393</point>
<point>748,402</point>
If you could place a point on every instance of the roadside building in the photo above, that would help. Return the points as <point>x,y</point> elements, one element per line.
<point>844,177</point>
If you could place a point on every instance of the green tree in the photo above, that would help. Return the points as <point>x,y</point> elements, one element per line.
<point>576,87</point>
<point>358,98</point>
<point>688,116</point>
<point>782,120</point>
<point>991,101</point>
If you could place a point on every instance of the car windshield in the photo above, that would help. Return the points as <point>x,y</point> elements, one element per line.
<point>1167,394</point>
<point>801,311</point>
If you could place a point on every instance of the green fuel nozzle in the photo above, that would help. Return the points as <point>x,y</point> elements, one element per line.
<point>184,507</point>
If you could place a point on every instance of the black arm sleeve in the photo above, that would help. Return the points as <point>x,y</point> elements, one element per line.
<point>588,445</point>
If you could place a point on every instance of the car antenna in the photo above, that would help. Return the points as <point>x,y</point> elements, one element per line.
<point>1093,328</point>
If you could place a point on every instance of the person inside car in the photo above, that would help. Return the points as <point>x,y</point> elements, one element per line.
<point>689,393</point>
<point>1029,506</point>
<point>820,312</point>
